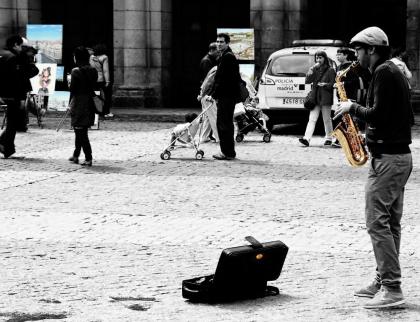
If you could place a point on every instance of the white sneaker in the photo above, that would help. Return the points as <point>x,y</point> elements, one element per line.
<point>385,299</point>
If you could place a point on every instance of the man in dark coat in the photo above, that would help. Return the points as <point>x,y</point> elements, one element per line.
<point>208,61</point>
<point>15,84</point>
<point>226,92</point>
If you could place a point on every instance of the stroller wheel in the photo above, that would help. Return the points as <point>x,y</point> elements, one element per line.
<point>199,155</point>
<point>166,155</point>
<point>239,137</point>
<point>267,138</point>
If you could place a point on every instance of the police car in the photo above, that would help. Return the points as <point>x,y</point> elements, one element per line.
<point>282,88</point>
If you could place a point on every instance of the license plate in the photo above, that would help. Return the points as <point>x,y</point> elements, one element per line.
<point>293,101</point>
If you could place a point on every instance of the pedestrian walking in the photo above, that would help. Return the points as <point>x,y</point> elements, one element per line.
<point>100,61</point>
<point>82,109</point>
<point>322,77</point>
<point>227,93</point>
<point>16,71</point>
<point>389,118</point>
<point>208,61</point>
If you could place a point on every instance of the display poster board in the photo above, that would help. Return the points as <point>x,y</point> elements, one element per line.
<point>247,70</point>
<point>44,82</point>
<point>48,40</point>
<point>59,101</point>
<point>241,42</point>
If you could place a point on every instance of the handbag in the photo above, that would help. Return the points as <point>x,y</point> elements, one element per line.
<point>310,100</point>
<point>243,92</point>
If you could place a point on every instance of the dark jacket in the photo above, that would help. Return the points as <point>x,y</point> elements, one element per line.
<point>16,74</point>
<point>227,78</point>
<point>356,82</point>
<point>388,113</point>
<point>82,111</point>
<point>207,63</point>
<point>324,95</point>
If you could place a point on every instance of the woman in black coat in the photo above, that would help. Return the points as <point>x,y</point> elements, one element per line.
<point>82,110</point>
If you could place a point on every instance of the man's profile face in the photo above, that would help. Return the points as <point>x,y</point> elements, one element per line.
<point>221,43</point>
<point>363,57</point>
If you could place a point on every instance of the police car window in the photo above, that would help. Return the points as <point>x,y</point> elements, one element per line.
<point>292,65</point>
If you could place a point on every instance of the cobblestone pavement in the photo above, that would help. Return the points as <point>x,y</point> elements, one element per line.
<point>113,242</point>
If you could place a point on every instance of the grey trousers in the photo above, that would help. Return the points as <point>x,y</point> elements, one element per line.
<point>388,174</point>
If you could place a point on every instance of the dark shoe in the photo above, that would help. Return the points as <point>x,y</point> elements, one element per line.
<point>74,159</point>
<point>385,298</point>
<point>369,291</point>
<point>1,148</point>
<point>87,163</point>
<point>221,156</point>
<point>327,142</point>
<point>7,154</point>
<point>305,142</point>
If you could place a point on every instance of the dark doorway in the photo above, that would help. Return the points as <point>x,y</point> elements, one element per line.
<point>85,22</point>
<point>194,26</point>
<point>343,19</point>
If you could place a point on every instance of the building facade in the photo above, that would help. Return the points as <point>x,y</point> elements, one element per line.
<point>155,45</point>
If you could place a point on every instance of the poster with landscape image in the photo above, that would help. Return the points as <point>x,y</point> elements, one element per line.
<point>48,40</point>
<point>241,42</point>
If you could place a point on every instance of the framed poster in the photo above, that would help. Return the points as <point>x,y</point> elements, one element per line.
<point>241,42</point>
<point>44,82</point>
<point>247,70</point>
<point>59,101</point>
<point>48,40</point>
<point>60,74</point>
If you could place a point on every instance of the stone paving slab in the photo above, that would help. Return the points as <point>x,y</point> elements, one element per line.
<point>113,242</point>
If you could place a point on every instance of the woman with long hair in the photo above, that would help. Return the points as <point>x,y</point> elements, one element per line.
<point>322,77</point>
<point>82,110</point>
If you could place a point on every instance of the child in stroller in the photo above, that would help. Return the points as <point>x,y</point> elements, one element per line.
<point>249,118</point>
<point>184,134</point>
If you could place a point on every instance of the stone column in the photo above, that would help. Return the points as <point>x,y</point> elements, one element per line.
<point>413,40</point>
<point>276,23</point>
<point>15,15</point>
<point>141,52</point>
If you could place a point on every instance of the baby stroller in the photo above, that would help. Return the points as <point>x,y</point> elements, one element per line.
<point>248,120</point>
<point>183,137</point>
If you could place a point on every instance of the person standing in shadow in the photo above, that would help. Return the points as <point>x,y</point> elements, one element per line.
<point>82,109</point>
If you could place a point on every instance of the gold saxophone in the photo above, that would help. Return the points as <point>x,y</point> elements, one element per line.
<point>346,131</point>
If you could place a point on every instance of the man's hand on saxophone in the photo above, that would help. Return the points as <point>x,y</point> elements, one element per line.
<point>342,107</point>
